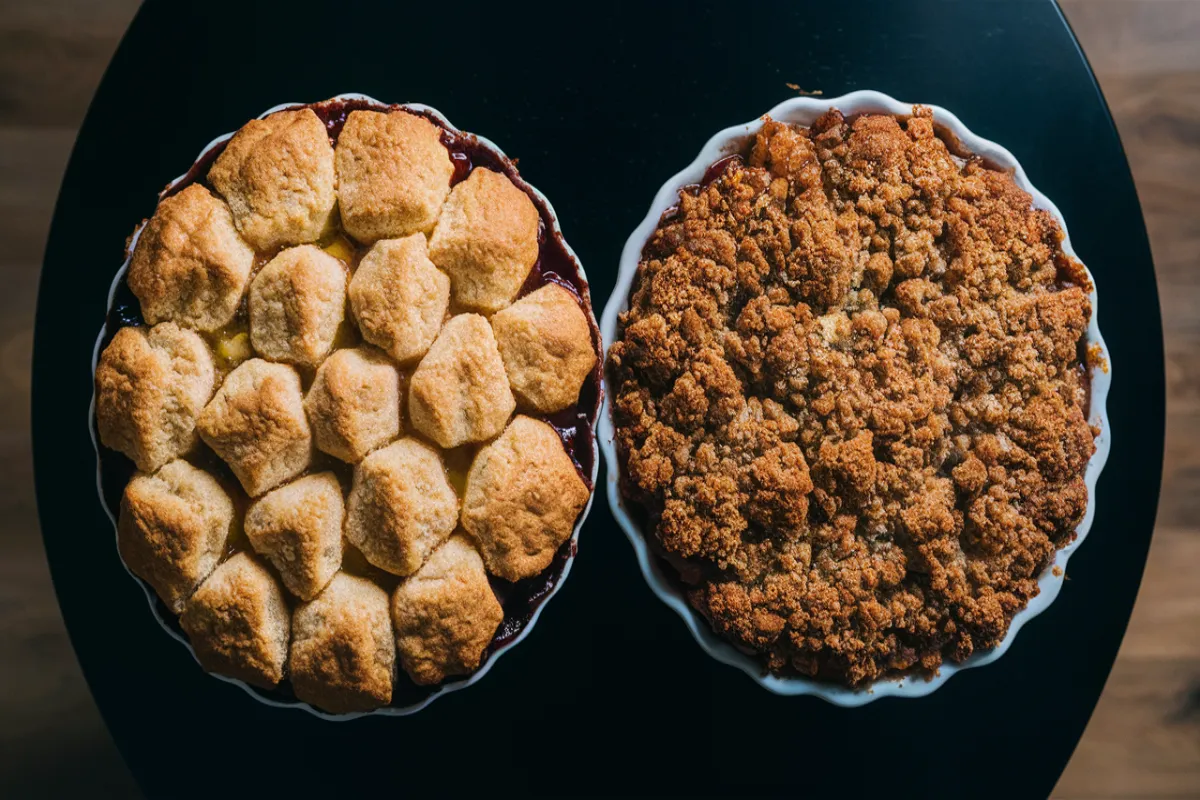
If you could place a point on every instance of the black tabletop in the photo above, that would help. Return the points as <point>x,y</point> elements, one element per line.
<point>610,693</point>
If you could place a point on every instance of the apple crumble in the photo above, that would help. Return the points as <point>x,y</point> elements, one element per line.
<point>851,396</point>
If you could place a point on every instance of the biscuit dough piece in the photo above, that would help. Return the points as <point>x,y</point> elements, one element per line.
<point>298,528</point>
<point>354,403</point>
<point>446,614</point>
<point>151,385</point>
<point>459,392</point>
<point>343,651</point>
<point>393,174</point>
<point>399,297</point>
<point>297,302</point>
<point>173,529</point>
<point>486,239</point>
<point>256,424</point>
<point>277,174</point>
<point>401,506</point>
<point>522,499</point>
<point>238,623</point>
<point>190,266</point>
<point>546,343</point>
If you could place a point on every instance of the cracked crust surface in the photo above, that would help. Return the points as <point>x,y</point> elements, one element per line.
<point>522,498</point>
<point>173,529</point>
<point>343,652</point>
<point>546,343</point>
<point>393,174</point>
<point>277,175</point>
<point>190,265</point>
<point>459,392</point>
<point>297,302</point>
<point>401,506</point>
<point>399,297</point>
<point>298,528</point>
<point>151,385</point>
<point>354,403</point>
<point>850,399</point>
<point>256,424</point>
<point>238,622</point>
<point>486,240</point>
<point>445,614</point>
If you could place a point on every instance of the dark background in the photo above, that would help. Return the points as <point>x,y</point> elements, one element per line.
<point>601,109</point>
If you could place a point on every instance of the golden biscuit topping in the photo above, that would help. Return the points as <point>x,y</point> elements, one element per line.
<point>850,397</point>
<point>318,399</point>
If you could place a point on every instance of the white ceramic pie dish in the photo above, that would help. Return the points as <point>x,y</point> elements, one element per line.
<point>156,608</point>
<point>805,110</point>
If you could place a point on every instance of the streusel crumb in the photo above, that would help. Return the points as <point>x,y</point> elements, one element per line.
<point>849,395</point>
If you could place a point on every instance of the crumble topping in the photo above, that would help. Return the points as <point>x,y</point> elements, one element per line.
<point>850,397</point>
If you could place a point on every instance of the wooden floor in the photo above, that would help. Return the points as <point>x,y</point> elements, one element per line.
<point>1144,741</point>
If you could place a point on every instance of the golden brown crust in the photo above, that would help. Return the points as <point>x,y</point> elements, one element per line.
<point>173,528</point>
<point>393,174</point>
<point>849,396</point>
<point>486,239</point>
<point>151,385</point>
<point>298,528</point>
<point>401,506</point>
<point>459,392</point>
<point>399,297</point>
<point>546,343</point>
<point>522,499</point>
<point>256,424</point>
<point>190,266</point>
<point>354,403</point>
<point>277,175</point>
<point>297,302</point>
<point>238,623</point>
<point>446,614</point>
<point>343,652</point>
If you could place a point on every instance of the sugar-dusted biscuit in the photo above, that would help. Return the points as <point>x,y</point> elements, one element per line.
<point>238,622</point>
<point>277,175</point>
<point>173,529</point>
<point>522,499</point>
<point>190,265</point>
<point>459,392</point>
<point>151,384</point>
<point>298,528</point>
<point>546,343</point>
<point>393,174</point>
<point>399,297</point>
<point>486,240</point>
<point>256,424</point>
<point>297,302</point>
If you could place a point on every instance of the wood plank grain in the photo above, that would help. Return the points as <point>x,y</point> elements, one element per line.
<point>1144,739</point>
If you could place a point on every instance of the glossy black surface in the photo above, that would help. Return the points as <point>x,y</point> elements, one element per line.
<point>601,105</point>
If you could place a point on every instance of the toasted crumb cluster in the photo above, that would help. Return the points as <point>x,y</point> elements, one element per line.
<point>315,386</point>
<point>849,397</point>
